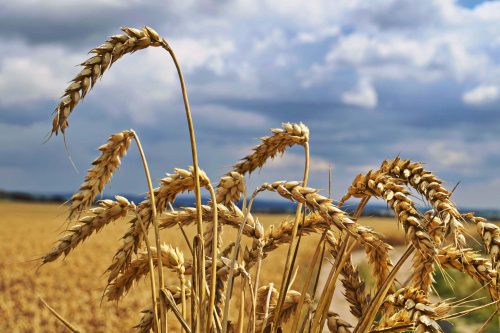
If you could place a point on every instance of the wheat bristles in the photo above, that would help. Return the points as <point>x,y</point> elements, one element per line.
<point>101,171</point>
<point>107,212</point>
<point>105,55</point>
<point>232,184</point>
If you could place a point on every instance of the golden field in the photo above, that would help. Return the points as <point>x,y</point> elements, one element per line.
<point>74,286</point>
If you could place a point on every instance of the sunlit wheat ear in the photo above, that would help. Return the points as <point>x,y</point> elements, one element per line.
<point>172,185</point>
<point>105,55</point>
<point>430,186</point>
<point>472,264</point>
<point>412,306</point>
<point>172,259</point>
<point>108,211</point>
<point>101,171</point>
<point>231,185</point>
<point>382,186</point>
<point>354,286</point>
<point>337,325</point>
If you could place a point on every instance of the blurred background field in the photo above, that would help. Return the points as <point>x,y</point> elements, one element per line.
<point>74,286</point>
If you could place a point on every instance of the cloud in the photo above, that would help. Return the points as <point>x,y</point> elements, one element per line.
<point>364,95</point>
<point>481,95</point>
<point>414,71</point>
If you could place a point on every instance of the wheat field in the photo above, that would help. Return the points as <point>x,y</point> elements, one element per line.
<point>75,286</point>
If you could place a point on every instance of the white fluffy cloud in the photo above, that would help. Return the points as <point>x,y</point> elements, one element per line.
<point>364,95</point>
<point>481,95</point>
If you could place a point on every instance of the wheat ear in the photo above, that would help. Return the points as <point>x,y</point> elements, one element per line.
<point>354,286</point>
<point>101,171</point>
<point>430,186</point>
<point>472,264</point>
<point>107,212</point>
<point>105,55</point>
<point>414,308</point>
<point>231,185</point>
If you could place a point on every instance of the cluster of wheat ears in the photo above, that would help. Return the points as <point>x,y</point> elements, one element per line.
<point>199,291</point>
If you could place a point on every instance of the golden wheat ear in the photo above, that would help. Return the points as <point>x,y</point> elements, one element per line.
<point>93,69</point>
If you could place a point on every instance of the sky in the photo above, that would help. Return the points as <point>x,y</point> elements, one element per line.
<point>371,79</point>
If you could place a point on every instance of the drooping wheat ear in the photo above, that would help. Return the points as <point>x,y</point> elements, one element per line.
<point>101,171</point>
<point>233,217</point>
<point>472,264</point>
<point>337,325</point>
<point>490,235</point>
<point>172,258</point>
<point>172,185</point>
<point>423,266</point>
<point>107,212</point>
<point>105,55</point>
<point>378,184</point>
<point>354,286</point>
<point>414,307</point>
<point>267,299</point>
<point>430,186</point>
<point>145,325</point>
<point>375,247</point>
<point>231,185</point>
